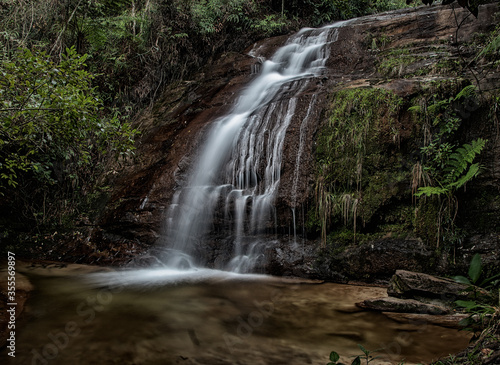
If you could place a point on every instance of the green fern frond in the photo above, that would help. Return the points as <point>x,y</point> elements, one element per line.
<point>431,190</point>
<point>415,109</point>
<point>473,172</point>
<point>458,171</point>
<point>437,107</point>
<point>491,48</point>
<point>466,92</point>
<point>461,158</point>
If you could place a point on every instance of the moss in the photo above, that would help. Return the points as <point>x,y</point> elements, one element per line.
<point>313,222</point>
<point>358,158</point>
<point>357,120</point>
<point>426,220</point>
<point>398,220</point>
<point>343,237</point>
<point>418,60</point>
<point>395,61</point>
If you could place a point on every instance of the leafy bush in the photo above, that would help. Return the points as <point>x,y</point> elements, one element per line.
<point>55,135</point>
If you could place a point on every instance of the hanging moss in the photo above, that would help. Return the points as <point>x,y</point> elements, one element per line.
<point>359,163</point>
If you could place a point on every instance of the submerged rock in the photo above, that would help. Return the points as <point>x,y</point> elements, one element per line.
<point>402,305</point>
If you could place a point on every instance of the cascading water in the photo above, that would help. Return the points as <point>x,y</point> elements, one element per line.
<point>237,174</point>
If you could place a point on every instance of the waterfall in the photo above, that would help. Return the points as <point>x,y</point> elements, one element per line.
<point>234,181</point>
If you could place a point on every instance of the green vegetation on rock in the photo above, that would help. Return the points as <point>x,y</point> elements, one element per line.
<point>373,183</point>
<point>357,173</point>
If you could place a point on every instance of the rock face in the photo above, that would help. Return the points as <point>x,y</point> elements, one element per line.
<point>176,125</point>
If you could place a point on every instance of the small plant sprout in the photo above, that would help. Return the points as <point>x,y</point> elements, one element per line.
<point>335,357</point>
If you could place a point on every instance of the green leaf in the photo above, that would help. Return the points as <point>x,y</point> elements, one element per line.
<point>475,268</point>
<point>467,304</point>
<point>489,280</point>
<point>366,352</point>
<point>462,279</point>
<point>356,361</point>
<point>466,322</point>
<point>334,356</point>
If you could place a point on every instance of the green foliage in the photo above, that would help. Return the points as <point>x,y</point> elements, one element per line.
<point>483,311</point>
<point>475,273</point>
<point>450,168</point>
<point>493,48</point>
<point>271,24</point>
<point>330,10</point>
<point>471,5</point>
<point>445,167</point>
<point>136,47</point>
<point>394,62</point>
<point>475,268</point>
<point>354,178</point>
<point>367,354</point>
<point>386,5</point>
<point>212,15</point>
<point>334,357</point>
<point>54,131</point>
<point>458,169</point>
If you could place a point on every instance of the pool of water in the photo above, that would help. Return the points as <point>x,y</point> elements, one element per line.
<point>211,317</point>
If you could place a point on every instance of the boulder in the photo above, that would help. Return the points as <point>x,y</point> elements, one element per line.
<point>408,284</point>
<point>418,297</point>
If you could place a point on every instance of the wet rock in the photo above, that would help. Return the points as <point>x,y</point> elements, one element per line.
<point>420,298</point>
<point>449,320</point>
<point>407,284</point>
<point>402,305</point>
<point>285,258</point>
<point>381,258</point>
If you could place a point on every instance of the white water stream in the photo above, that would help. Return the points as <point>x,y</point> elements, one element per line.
<point>237,174</point>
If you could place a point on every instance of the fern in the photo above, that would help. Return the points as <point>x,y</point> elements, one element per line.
<point>466,92</point>
<point>492,48</point>
<point>458,170</point>
<point>415,109</point>
<point>430,190</point>
<point>461,158</point>
<point>471,173</point>
<point>436,108</point>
